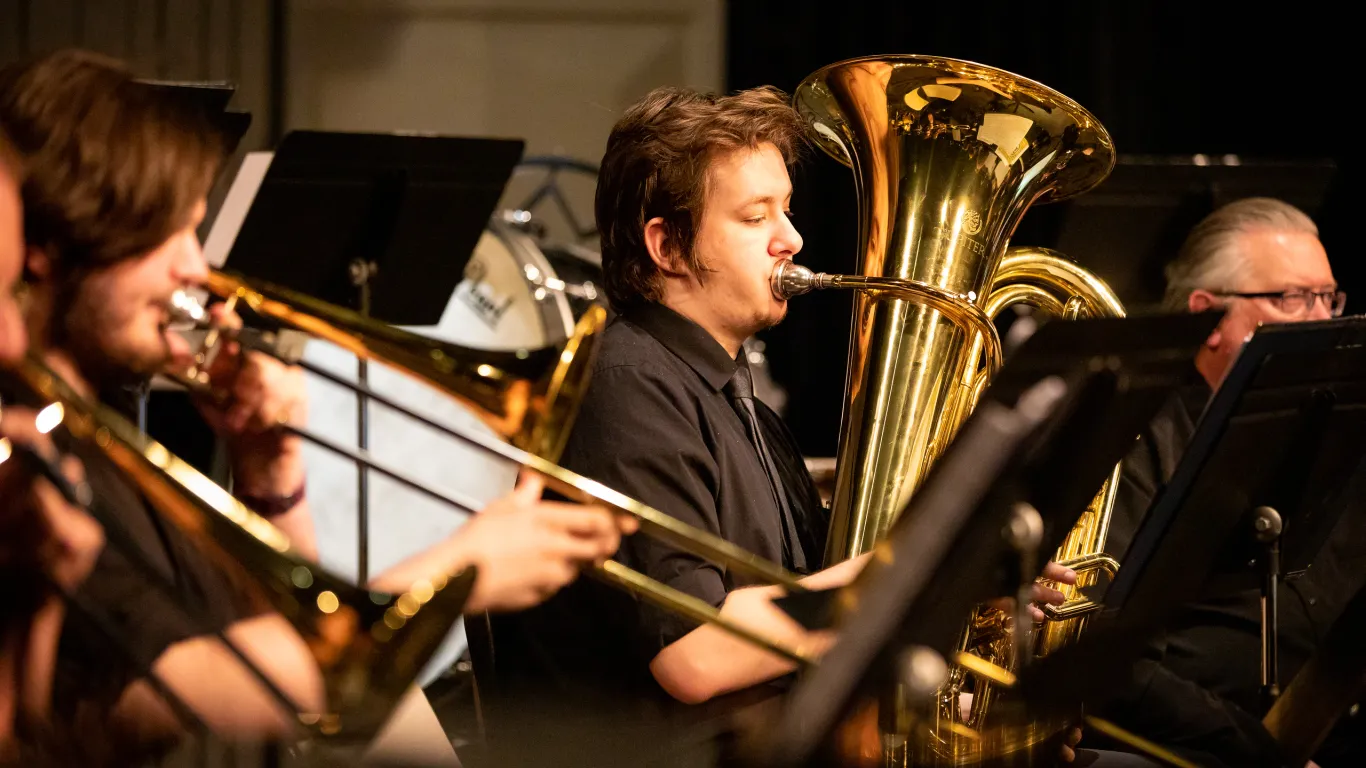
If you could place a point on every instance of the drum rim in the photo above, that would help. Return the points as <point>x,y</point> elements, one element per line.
<point>557,317</point>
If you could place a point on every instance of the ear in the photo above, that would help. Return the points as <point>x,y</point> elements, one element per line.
<point>38,263</point>
<point>661,250</point>
<point>1201,300</point>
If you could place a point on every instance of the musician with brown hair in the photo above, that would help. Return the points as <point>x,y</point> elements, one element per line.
<point>117,179</point>
<point>693,209</point>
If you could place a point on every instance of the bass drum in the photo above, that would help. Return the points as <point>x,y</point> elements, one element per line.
<point>514,295</point>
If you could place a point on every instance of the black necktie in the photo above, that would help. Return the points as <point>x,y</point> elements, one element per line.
<point>740,389</point>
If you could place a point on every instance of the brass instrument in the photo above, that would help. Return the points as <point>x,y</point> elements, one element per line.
<point>369,646</point>
<point>529,398</point>
<point>947,156</point>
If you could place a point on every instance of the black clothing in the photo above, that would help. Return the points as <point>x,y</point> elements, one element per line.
<point>740,390</point>
<point>658,426</point>
<point>90,669</point>
<point>1198,689</point>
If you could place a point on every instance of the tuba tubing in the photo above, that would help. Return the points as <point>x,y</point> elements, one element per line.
<point>947,157</point>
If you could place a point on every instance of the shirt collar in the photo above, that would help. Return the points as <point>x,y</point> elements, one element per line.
<point>686,339</point>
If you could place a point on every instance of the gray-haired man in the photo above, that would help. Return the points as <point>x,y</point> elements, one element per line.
<point>1197,691</point>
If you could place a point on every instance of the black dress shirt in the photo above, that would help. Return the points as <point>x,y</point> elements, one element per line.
<point>1198,689</point>
<point>657,426</point>
<point>91,671</point>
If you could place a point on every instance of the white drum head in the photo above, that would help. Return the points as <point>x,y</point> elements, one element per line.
<point>497,308</point>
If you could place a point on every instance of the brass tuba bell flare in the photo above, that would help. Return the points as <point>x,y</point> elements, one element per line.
<point>947,156</point>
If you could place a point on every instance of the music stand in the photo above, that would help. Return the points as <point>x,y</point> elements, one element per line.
<point>1130,226</point>
<point>380,223</point>
<point>210,100</point>
<point>1012,456</point>
<point>1287,380</point>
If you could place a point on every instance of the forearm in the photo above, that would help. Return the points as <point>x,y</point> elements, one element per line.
<point>40,657</point>
<point>710,661</point>
<point>448,557</point>
<point>297,524</point>
<point>277,474</point>
<point>209,678</point>
<point>837,575</point>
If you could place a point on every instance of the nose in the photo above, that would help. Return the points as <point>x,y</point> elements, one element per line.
<point>787,242</point>
<point>190,265</point>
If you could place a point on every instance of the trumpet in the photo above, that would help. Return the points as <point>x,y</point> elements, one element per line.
<point>527,397</point>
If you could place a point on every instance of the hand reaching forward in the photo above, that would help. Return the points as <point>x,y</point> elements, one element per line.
<point>526,549</point>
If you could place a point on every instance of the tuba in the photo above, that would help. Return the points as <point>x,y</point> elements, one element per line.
<point>947,157</point>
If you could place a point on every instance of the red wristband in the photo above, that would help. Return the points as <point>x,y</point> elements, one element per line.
<point>272,506</point>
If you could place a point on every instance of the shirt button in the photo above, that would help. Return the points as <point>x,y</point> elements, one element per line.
<point>1313,601</point>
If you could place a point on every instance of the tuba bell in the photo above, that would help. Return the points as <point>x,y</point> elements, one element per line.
<point>947,157</point>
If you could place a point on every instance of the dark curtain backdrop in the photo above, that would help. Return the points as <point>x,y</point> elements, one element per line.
<point>1271,82</point>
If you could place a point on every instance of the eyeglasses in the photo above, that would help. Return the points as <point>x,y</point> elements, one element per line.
<point>1297,303</point>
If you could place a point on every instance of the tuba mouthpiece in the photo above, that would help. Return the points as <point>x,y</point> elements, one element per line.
<point>791,279</point>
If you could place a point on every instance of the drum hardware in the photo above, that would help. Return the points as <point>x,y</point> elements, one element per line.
<point>543,283</point>
<point>549,188</point>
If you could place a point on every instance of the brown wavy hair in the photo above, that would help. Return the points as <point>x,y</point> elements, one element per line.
<point>113,166</point>
<point>657,164</point>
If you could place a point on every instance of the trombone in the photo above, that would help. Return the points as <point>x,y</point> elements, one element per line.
<point>527,397</point>
<point>369,646</point>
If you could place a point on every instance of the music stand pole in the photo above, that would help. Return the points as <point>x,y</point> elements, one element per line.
<point>1266,526</point>
<point>361,272</point>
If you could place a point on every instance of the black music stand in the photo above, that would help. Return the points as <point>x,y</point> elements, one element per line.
<point>1286,429</point>
<point>1021,455</point>
<point>1130,226</point>
<point>380,223</point>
